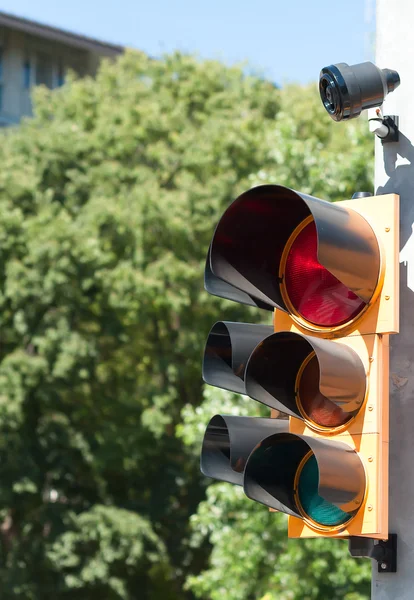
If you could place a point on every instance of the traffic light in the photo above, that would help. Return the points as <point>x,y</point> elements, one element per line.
<point>329,274</point>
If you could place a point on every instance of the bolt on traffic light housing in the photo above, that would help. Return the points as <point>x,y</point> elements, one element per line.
<point>347,90</point>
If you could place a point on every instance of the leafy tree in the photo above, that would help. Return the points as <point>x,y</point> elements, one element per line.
<point>108,198</point>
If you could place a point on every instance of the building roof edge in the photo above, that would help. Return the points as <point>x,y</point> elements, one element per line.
<point>59,35</point>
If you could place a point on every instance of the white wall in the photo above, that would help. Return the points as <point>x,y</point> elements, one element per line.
<point>394,173</point>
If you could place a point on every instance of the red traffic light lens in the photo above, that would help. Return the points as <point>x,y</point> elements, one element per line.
<point>314,293</point>
<point>315,406</point>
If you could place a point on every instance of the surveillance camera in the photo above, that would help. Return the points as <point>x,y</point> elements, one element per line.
<point>347,90</point>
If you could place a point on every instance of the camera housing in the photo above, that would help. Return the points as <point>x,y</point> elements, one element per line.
<point>347,90</point>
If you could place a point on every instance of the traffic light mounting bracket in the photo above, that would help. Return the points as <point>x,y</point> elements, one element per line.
<point>383,551</point>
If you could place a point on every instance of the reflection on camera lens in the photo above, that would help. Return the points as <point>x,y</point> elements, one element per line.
<point>328,95</point>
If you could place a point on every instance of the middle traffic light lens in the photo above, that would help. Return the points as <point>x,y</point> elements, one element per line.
<point>315,406</point>
<point>315,294</point>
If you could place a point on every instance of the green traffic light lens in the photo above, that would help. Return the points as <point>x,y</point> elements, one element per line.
<point>318,509</point>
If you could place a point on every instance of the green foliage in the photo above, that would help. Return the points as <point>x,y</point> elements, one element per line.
<point>102,551</point>
<point>313,154</point>
<point>108,199</point>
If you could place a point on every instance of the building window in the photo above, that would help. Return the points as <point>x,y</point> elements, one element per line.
<point>27,74</point>
<point>44,70</point>
<point>60,75</point>
<point>1,78</point>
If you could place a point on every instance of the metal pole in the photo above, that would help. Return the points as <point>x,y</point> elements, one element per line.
<point>394,172</point>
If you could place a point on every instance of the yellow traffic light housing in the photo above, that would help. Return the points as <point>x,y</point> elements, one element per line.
<point>330,274</point>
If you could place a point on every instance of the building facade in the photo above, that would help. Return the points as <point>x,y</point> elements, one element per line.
<point>34,54</point>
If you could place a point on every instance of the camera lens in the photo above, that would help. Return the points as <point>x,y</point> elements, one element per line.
<point>329,95</point>
<point>347,90</point>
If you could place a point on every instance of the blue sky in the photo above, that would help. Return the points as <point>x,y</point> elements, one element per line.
<point>287,40</point>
